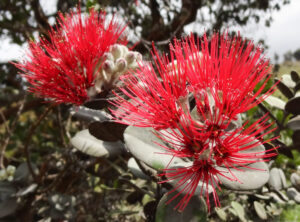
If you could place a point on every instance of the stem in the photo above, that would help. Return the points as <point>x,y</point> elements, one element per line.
<point>28,140</point>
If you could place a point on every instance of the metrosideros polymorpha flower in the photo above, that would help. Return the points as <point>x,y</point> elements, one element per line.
<point>83,54</point>
<point>185,113</point>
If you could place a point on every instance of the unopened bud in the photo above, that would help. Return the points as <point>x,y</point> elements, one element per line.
<point>108,56</point>
<point>116,51</point>
<point>121,65</point>
<point>108,66</point>
<point>130,57</point>
<point>124,50</point>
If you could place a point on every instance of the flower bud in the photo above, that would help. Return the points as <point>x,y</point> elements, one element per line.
<point>108,66</point>
<point>130,57</point>
<point>121,65</point>
<point>116,51</point>
<point>108,56</point>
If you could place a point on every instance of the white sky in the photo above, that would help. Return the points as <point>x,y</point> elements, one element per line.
<point>282,36</point>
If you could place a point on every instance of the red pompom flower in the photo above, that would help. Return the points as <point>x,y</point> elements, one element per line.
<point>193,98</point>
<point>65,67</point>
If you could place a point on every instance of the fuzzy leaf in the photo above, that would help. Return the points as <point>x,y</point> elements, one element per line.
<point>275,102</point>
<point>90,145</point>
<point>277,180</point>
<point>107,131</point>
<point>287,80</point>
<point>293,105</point>
<point>284,89</point>
<point>249,179</point>
<point>294,123</point>
<point>221,214</point>
<point>239,210</point>
<point>295,76</point>
<point>135,169</point>
<point>143,144</point>
<point>89,115</point>
<point>260,210</point>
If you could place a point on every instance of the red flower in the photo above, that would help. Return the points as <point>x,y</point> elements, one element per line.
<point>194,102</point>
<point>65,67</point>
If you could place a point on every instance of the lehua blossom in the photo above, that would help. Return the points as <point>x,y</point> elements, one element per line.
<point>83,54</point>
<point>193,99</point>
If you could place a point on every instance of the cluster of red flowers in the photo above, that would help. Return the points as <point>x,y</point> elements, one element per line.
<point>193,98</point>
<point>64,67</point>
<point>194,101</point>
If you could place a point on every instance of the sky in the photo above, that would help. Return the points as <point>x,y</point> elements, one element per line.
<point>282,36</point>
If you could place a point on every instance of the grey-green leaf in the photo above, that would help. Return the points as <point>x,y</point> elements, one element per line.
<point>288,81</point>
<point>284,89</point>
<point>144,145</point>
<point>277,180</point>
<point>221,214</point>
<point>239,209</point>
<point>135,169</point>
<point>294,123</point>
<point>260,210</point>
<point>90,145</point>
<point>275,102</point>
<point>246,179</point>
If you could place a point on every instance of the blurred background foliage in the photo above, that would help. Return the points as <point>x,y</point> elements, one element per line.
<point>44,179</point>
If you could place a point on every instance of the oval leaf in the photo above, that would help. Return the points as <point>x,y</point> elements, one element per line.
<point>295,76</point>
<point>202,187</point>
<point>135,169</point>
<point>287,80</point>
<point>239,209</point>
<point>293,106</point>
<point>297,87</point>
<point>295,180</point>
<point>260,210</point>
<point>89,115</point>
<point>294,123</point>
<point>275,102</point>
<point>88,144</point>
<point>277,180</point>
<point>248,179</point>
<point>284,89</point>
<point>107,131</point>
<point>221,214</point>
<point>97,104</point>
<point>143,144</point>
<point>296,138</point>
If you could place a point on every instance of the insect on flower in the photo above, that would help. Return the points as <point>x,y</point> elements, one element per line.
<point>83,54</point>
<point>193,100</point>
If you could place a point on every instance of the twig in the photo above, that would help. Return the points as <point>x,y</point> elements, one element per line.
<point>28,140</point>
<point>61,128</point>
<point>135,186</point>
<point>9,131</point>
